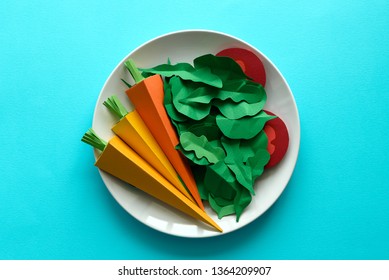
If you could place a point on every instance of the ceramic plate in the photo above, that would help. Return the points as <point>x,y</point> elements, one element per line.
<point>184,46</point>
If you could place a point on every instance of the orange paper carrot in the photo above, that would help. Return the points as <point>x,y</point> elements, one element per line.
<point>119,160</point>
<point>134,132</point>
<point>147,96</point>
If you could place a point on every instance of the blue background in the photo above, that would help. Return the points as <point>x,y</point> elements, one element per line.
<point>55,57</point>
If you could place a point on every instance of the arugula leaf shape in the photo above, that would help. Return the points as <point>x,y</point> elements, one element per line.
<point>241,201</point>
<point>207,127</point>
<point>234,162</point>
<point>224,207</point>
<point>220,207</point>
<point>199,149</point>
<point>246,162</point>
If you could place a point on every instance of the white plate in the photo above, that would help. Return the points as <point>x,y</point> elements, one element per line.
<point>184,46</point>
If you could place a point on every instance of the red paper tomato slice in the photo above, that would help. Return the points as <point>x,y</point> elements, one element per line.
<point>278,140</point>
<point>251,65</point>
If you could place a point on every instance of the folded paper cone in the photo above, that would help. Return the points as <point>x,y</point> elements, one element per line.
<point>119,160</point>
<point>147,97</point>
<point>132,130</point>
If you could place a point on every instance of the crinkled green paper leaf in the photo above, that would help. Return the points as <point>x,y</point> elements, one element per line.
<point>220,181</point>
<point>226,196</point>
<point>186,72</point>
<point>220,209</point>
<point>257,162</point>
<point>243,128</point>
<point>242,90</point>
<point>199,150</point>
<point>245,161</point>
<point>224,67</point>
<point>207,127</point>
<point>248,147</point>
<point>236,91</point>
<point>180,91</point>
<point>199,174</point>
<point>169,106</point>
<point>241,201</point>
<point>234,161</point>
<point>233,110</point>
<point>243,175</point>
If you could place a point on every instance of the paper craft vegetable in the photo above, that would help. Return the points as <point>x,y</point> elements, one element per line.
<point>119,160</point>
<point>249,62</point>
<point>278,140</point>
<point>134,132</point>
<point>147,96</point>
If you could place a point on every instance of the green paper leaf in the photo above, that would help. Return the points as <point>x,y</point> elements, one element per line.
<point>221,210</point>
<point>243,175</point>
<point>199,150</point>
<point>242,90</point>
<point>186,72</point>
<point>246,158</point>
<point>233,160</point>
<point>232,110</point>
<point>243,128</point>
<point>236,91</point>
<point>241,201</point>
<point>224,67</point>
<point>257,162</point>
<point>224,207</point>
<point>180,91</point>
<point>199,174</point>
<point>249,147</point>
<point>206,127</point>
<point>169,106</point>
<point>220,181</point>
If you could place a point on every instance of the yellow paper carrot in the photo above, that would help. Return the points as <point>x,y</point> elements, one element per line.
<point>134,132</point>
<point>147,96</point>
<point>122,162</point>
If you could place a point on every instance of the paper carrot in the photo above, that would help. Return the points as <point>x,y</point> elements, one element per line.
<point>119,160</point>
<point>147,96</point>
<point>134,132</point>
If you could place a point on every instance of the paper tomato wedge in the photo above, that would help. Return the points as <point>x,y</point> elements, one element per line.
<point>251,65</point>
<point>278,140</point>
